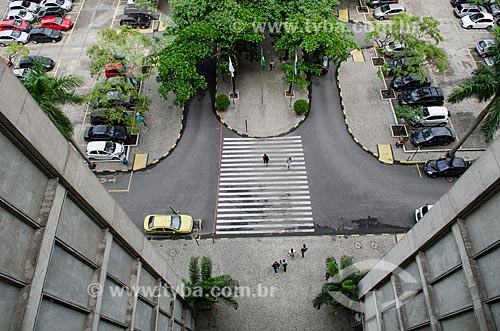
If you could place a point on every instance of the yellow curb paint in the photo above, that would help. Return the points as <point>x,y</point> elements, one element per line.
<point>364,148</point>
<point>99,171</point>
<point>374,154</point>
<point>400,236</point>
<point>230,128</point>
<point>140,161</point>
<point>385,153</point>
<point>386,234</point>
<point>357,56</point>
<point>173,146</point>
<point>349,130</point>
<point>112,171</point>
<point>155,161</point>
<point>355,139</point>
<point>165,155</point>
<point>354,235</point>
<point>369,234</point>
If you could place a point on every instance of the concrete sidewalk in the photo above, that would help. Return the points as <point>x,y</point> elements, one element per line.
<point>249,260</point>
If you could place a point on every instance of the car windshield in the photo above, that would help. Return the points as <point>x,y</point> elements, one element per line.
<point>17,23</point>
<point>475,17</point>
<point>151,222</point>
<point>23,13</point>
<point>419,93</point>
<point>58,20</point>
<point>385,8</point>
<point>442,165</point>
<point>53,33</point>
<point>175,222</point>
<point>482,44</point>
<point>425,112</point>
<point>109,147</point>
<point>60,2</point>
<point>16,33</point>
<point>427,133</point>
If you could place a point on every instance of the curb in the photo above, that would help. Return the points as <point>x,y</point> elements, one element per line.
<point>156,161</point>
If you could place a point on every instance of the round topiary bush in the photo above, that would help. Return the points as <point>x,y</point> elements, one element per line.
<point>301,106</point>
<point>222,102</point>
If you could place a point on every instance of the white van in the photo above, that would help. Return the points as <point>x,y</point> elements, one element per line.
<point>433,116</point>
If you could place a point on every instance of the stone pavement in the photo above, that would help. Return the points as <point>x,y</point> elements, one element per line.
<point>262,103</point>
<point>249,261</point>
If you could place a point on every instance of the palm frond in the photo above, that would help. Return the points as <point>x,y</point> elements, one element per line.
<point>492,120</point>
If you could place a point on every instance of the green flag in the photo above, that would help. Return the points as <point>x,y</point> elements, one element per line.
<point>262,60</point>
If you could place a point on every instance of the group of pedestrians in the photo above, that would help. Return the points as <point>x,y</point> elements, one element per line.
<point>288,162</point>
<point>284,263</point>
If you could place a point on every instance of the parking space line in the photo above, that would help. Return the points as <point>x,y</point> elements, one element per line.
<point>128,187</point>
<point>114,15</point>
<point>469,49</point>
<point>418,169</point>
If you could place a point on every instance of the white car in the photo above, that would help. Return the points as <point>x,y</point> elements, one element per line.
<point>464,9</point>
<point>20,14</point>
<point>385,11</point>
<point>25,5</point>
<point>483,47</point>
<point>105,150</point>
<point>432,116</point>
<point>489,61</point>
<point>67,5</point>
<point>478,21</point>
<point>420,212</point>
<point>13,37</point>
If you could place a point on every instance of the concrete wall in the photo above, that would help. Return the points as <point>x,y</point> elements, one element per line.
<point>61,232</point>
<point>444,274</point>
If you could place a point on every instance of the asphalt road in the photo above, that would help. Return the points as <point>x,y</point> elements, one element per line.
<point>351,192</point>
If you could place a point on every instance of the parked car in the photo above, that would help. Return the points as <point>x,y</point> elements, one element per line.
<point>455,3</point>
<point>118,69</point>
<point>446,167</point>
<point>100,116</point>
<point>411,81</point>
<point>433,136</point>
<point>27,62</point>
<point>386,11</point>
<point>489,61</point>
<point>67,5</point>
<point>13,37</point>
<point>135,21</point>
<point>105,150</point>
<point>56,23</point>
<point>432,116</point>
<point>483,47</point>
<point>168,224</point>
<point>403,63</point>
<point>378,3</point>
<point>140,10</point>
<point>44,35</point>
<point>103,133</point>
<point>24,5</point>
<point>420,212</point>
<point>52,11</point>
<point>494,9</point>
<point>20,14</point>
<point>20,73</point>
<point>477,21</point>
<point>422,96</point>
<point>465,9</point>
<point>325,65</point>
<point>394,48</point>
<point>15,25</point>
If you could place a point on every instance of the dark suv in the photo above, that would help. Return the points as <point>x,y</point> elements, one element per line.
<point>27,62</point>
<point>45,35</point>
<point>378,3</point>
<point>433,136</point>
<point>455,3</point>
<point>52,11</point>
<point>411,81</point>
<point>105,133</point>
<point>135,21</point>
<point>422,96</point>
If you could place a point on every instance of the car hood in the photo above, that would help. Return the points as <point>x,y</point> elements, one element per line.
<point>417,136</point>
<point>430,166</point>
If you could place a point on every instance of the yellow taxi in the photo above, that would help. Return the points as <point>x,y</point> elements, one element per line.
<point>168,224</point>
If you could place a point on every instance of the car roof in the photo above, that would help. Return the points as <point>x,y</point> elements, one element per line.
<point>40,30</point>
<point>440,131</point>
<point>395,6</point>
<point>96,145</point>
<point>467,5</point>
<point>437,110</point>
<point>7,32</point>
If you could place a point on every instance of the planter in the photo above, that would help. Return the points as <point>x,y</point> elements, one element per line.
<point>399,130</point>
<point>378,61</point>
<point>362,9</point>
<point>387,94</point>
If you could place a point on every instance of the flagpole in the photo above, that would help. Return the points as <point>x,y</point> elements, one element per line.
<point>231,70</point>
<point>263,65</point>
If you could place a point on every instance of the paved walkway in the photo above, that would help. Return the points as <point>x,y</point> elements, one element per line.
<point>249,261</point>
<point>262,109</point>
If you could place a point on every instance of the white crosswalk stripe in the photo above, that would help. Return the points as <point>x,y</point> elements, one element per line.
<point>257,199</point>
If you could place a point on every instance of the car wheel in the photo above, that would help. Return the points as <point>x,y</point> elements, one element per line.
<point>446,143</point>
<point>469,27</point>
<point>381,18</point>
<point>442,124</point>
<point>35,42</point>
<point>54,41</point>
<point>20,43</point>
<point>484,55</point>
<point>417,125</point>
<point>2,45</point>
<point>142,26</point>
<point>488,27</point>
<point>91,158</point>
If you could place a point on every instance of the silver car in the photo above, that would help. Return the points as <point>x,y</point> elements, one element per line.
<point>13,37</point>
<point>67,5</point>
<point>25,5</point>
<point>20,14</point>
<point>483,47</point>
<point>465,9</point>
<point>386,11</point>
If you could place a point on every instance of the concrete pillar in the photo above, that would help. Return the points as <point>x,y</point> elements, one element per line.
<point>473,275</point>
<point>36,267</point>
<point>423,270</point>
<point>132,300</point>
<point>396,289</point>
<point>99,277</point>
<point>378,314</point>
<point>156,301</point>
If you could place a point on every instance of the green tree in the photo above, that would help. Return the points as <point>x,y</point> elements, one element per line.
<point>484,86</point>
<point>203,290</point>
<point>344,280</point>
<point>127,46</point>
<point>421,37</point>
<point>14,52</point>
<point>114,93</point>
<point>50,93</point>
<point>408,113</point>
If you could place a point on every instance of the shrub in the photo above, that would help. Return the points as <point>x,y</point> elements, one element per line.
<point>222,102</point>
<point>301,106</point>
<point>409,114</point>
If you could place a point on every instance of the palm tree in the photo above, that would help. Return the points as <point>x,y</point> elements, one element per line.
<point>50,92</point>
<point>484,85</point>
<point>203,290</point>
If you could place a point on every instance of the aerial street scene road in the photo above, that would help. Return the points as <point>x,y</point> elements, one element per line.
<point>249,165</point>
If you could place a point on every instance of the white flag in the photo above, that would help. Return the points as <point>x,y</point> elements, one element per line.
<point>231,68</point>
<point>296,65</point>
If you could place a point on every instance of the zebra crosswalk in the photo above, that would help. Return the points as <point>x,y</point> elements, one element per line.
<point>255,198</point>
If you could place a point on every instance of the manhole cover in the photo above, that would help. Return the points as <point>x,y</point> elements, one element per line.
<point>374,245</point>
<point>357,244</point>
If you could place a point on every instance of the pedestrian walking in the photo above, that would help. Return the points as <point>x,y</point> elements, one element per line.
<point>140,119</point>
<point>275,266</point>
<point>284,264</point>
<point>289,162</point>
<point>271,65</point>
<point>291,252</point>
<point>327,275</point>
<point>266,159</point>
<point>303,249</point>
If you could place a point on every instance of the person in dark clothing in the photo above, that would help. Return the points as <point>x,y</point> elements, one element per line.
<point>303,249</point>
<point>275,266</point>
<point>284,264</point>
<point>266,159</point>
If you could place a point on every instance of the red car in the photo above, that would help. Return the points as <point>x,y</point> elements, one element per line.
<point>15,25</point>
<point>56,23</point>
<point>118,69</point>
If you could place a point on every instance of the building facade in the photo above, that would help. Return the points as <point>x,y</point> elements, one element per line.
<point>445,273</point>
<point>70,258</point>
